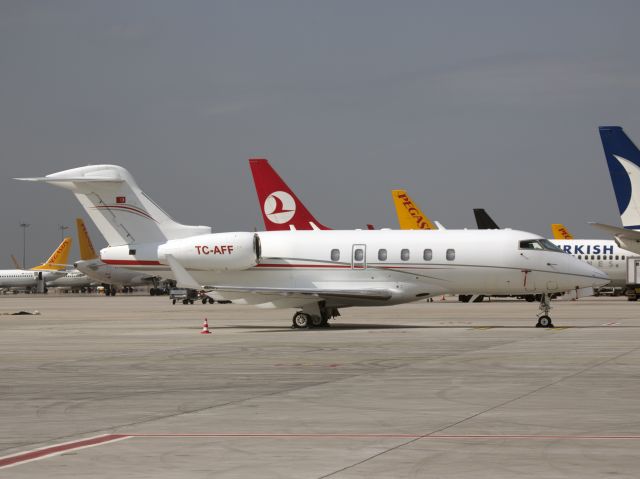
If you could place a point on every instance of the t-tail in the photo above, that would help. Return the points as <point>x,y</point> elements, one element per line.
<point>623,160</point>
<point>410,216</point>
<point>560,232</point>
<point>280,206</point>
<point>58,259</point>
<point>123,213</point>
<point>87,251</point>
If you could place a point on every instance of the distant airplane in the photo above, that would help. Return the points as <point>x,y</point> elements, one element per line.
<point>318,271</point>
<point>623,160</point>
<point>39,276</point>
<point>560,232</point>
<point>109,276</point>
<point>410,217</point>
<point>280,206</point>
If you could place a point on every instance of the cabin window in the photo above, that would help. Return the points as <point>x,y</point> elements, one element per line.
<point>598,257</point>
<point>617,257</point>
<point>427,255</point>
<point>358,255</point>
<point>579,256</point>
<point>622,256</point>
<point>404,254</point>
<point>382,255</point>
<point>335,255</point>
<point>451,254</point>
<point>132,252</point>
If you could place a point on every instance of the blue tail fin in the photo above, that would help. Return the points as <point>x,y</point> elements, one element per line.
<point>623,160</point>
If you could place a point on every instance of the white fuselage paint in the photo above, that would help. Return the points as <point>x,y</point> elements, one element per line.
<point>25,278</point>
<point>485,262</point>
<point>107,274</point>
<point>605,255</point>
<point>71,279</point>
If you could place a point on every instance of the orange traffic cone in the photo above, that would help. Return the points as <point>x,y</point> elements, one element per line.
<point>205,327</point>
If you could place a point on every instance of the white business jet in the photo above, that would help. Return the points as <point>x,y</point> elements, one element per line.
<point>323,270</point>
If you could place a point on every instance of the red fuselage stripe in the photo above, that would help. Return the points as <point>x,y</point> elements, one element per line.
<point>29,456</point>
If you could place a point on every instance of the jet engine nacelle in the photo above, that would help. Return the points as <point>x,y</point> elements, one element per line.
<point>217,251</point>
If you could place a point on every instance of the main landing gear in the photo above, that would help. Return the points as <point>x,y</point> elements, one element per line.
<point>544,320</point>
<point>315,315</point>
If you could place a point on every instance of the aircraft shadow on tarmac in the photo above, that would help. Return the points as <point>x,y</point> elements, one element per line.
<point>350,327</point>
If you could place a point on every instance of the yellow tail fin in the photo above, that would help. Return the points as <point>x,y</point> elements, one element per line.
<point>59,259</point>
<point>560,232</point>
<point>409,215</point>
<point>87,250</point>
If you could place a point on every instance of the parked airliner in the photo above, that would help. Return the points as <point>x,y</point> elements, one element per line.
<point>41,275</point>
<point>318,271</point>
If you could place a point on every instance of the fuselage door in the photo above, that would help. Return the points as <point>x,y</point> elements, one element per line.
<point>359,256</point>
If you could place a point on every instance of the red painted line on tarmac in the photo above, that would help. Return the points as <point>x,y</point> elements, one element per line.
<point>383,436</point>
<point>59,449</point>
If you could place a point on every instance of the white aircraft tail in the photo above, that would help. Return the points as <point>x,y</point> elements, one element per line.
<point>123,213</point>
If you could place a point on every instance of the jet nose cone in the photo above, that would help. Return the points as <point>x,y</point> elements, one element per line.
<point>589,276</point>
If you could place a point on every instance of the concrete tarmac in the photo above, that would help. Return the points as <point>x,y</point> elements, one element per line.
<point>440,389</point>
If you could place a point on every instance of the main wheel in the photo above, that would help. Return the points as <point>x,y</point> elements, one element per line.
<point>544,321</point>
<point>316,321</point>
<point>301,320</point>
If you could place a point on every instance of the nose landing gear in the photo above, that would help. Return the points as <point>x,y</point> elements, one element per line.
<point>544,320</point>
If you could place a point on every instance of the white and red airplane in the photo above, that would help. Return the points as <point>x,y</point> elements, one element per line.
<point>318,271</point>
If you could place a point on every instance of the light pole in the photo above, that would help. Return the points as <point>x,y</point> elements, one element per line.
<point>62,228</point>
<point>24,227</point>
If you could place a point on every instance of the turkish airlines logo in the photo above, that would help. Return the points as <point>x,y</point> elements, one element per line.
<point>279,207</point>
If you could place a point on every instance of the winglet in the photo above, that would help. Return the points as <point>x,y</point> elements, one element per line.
<point>59,258</point>
<point>183,278</point>
<point>280,207</point>
<point>410,217</point>
<point>560,232</point>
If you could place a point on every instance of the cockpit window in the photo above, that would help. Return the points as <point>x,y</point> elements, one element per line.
<point>530,244</point>
<point>548,245</point>
<point>540,244</point>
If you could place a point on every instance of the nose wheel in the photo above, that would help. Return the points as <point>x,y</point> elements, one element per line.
<point>544,320</point>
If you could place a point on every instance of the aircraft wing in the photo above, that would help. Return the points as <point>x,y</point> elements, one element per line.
<point>618,232</point>
<point>364,294</point>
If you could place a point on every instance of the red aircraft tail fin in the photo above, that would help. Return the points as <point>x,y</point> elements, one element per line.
<point>281,208</point>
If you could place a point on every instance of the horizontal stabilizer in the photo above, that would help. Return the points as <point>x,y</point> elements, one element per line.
<point>618,232</point>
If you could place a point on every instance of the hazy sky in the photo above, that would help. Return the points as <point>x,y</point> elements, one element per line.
<point>490,104</point>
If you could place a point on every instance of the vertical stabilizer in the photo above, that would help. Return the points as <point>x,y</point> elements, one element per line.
<point>15,262</point>
<point>410,217</point>
<point>58,259</point>
<point>87,251</point>
<point>560,232</point>
<point>281,208</point>
<point>123,213</point>
<point>623,160</point>
<point>483,220</point>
